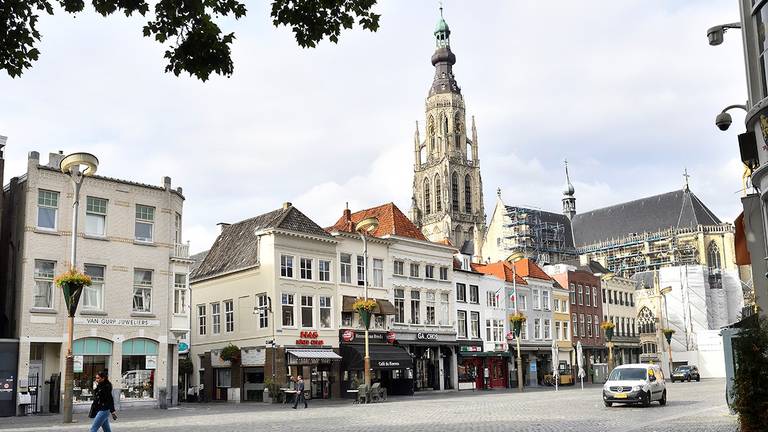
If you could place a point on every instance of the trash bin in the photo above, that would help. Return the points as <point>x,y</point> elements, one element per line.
<point>162,399</point>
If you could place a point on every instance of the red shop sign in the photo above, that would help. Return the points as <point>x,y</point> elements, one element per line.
<point>391,337</point>
<point>348,336</point>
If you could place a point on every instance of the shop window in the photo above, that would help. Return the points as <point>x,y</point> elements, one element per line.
<point>138,372</point>
<point>91,356</point>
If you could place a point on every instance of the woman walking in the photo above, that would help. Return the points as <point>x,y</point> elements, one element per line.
<point>103,404</point>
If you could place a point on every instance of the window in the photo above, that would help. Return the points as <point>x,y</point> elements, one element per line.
<point>145,223</point>
<point>305,268</point>
<point>325,312</point>
<point>564,306</point>
<point>177,227</point>
<point>429,271</point>
<point>545,299</point>
<point>415,306</point>
<point>467,194</point>
<point>399,306</point>
<point>215,318</point>
<point>474,295</point>
<point>443,273</point>
<point>558,331</point>
<point>575,326</point>
<point>427,198</point>
<point>491,299</point>
<point>43,296</point>
<point>623,331</point>
<point>633,327</point>
<point>581,295</point>
<point>438,194</point>
<point>306,311</point>
<point>462,324</point>
<point>566,335</point>
<point>223,377</point>
<point>475,321</point>
<point>582,323</point>
<point>47,208</point>
<point>594,296</point>
<point>488,330</point>
<point>557,305</point>
<point>414,270</point>
<point>324,270</point>
<point>286,266</point>
<point>461,292</point>
<point>430,318</point>
<point>589,326</point>
<point>378,272</point>
<point>345,268</point>
<point>180,293</point>
<point>537,328</point>
<point>142,290</point>
<point>455,192</point>
<point>586,296</point>
<point>596,325</point>
<point>536,299</point>
<point>360,270</point>
<point>512,300</point>
<point>572,293</point>
<point>603,295</point>
<point>444,311</point>
<point>286,301</point>
<point>93,296</point>
<point>631,300</point>
<point>263,302</point>
<point>524,331</point>
<point>95,216</point>
<point>229,316</point>
<point>201,319</point>
<point>523,303</point>
<point>398,269</point>
<point>547,329</point>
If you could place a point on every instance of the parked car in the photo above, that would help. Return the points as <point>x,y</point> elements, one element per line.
<point>635,383</point>
<point>686,373</point>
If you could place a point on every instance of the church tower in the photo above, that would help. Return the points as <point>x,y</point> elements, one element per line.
<point>447,200</point>
<point>569,200</point>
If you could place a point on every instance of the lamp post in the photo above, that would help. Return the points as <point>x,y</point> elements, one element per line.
<point>77,166</point>
<point>364,227</point>
<point>512,259</point>
<point>664,291</point>
<point>605,277</point>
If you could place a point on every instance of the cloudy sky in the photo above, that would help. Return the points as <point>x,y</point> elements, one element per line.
<point>626,90</point>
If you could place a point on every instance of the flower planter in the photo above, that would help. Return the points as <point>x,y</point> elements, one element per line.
<point>517,327</point>
<point>71,283</point>
<point>365,316</point>
<point>609,334</point>
<point>668,337</point>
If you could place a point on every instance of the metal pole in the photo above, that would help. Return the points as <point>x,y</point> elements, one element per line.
<point>274,342</point>
<point>367,360</point>
<point>517,336</point>
<point>669,342</point>
<point>69,374</point>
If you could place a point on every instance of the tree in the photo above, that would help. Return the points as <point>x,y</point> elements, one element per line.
<point>196,44</point>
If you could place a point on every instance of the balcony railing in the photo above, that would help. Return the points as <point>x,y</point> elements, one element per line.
<point>181,250</point>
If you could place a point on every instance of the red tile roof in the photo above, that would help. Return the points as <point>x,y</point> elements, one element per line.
<point>392,221</point>
<point>528,268</point>
<point>500,269</point>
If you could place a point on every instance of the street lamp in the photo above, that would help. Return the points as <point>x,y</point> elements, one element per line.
<point>76,166</point>
<point>605,277</point>
<point>515,257</point>
<point>664,291</point>
<point>365,227</point>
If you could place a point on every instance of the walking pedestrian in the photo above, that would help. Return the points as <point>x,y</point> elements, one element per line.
<point>103,404</point>
<point>300,392</point>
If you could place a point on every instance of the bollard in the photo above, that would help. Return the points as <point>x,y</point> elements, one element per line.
<point>162,399</point>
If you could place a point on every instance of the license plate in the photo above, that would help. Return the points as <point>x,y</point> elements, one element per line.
<point>620,395</point>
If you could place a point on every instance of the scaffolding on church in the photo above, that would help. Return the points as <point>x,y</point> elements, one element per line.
<point>540,240</point>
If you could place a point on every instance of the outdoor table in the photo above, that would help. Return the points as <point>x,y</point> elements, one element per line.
<point>355,392</point>
<point>287,392</point>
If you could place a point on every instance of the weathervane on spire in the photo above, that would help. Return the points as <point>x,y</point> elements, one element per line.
<point>441,7</point>
<point>686,176</point>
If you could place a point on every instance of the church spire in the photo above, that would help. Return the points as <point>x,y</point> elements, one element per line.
<point>443,60</point>
<point>569,200</point>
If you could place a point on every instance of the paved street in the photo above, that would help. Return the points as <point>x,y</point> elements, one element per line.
<point>691,407</point>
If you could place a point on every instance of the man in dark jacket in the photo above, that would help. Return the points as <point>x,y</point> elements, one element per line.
<point>103,404</point>
<point>299,392</point>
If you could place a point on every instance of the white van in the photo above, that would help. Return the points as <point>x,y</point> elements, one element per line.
<point>635,383</point>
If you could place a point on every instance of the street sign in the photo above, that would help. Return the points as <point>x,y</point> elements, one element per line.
<point>183,347</point>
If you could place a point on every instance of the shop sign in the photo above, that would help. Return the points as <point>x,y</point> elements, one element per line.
<point>471,348</point>
<point>151,362</point>
<point>309,338</point>
<point>216,360</point>
<point>426,336</point>
<point>252,356</point>
<point>118,322</point>
<point>77,364</point>
<point>348,335</point>
<point>183,347</point>
<point>388,363</point>
<point>391,337</point>
<point>510,336</point>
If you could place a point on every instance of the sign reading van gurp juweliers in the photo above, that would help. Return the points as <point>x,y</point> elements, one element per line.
<point>120,322</point>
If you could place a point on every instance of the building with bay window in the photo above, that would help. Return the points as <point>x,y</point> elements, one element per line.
<point>132,318</point>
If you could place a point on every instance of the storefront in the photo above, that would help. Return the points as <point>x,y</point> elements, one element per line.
<point>319,367</point>
<point>138,369</point>
<point>482,370</point>
<point>391,365</point>
<point>91,356</point>
<point>252,362</point>
<point>434,359</point>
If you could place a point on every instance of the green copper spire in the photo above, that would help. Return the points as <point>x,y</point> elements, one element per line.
<point>442,32</point>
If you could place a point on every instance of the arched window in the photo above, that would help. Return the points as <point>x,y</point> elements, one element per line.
<point>431,133</point>
<point>467,194</point>
<point>646,321</point>
<point>438,194</point>
<point>455,192</point>
<point>457,130</point>
<point>713,255</point>
<point>427,198</point>
<point>445,125</point>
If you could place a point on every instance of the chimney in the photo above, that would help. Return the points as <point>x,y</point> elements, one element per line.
<point>54,159</point>
<point>347,216</point>
<point>33,155</point>
<point>287,205</point>
<point>3,140</point>
<point>167,183</point>
<point>222,226</point>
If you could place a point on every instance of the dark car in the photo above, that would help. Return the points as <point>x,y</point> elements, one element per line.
<point>686,373</point>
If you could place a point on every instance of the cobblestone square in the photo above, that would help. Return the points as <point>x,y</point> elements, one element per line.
<point>691,407</point>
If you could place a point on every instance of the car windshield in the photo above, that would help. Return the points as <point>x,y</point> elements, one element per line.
<point>627,374</point>
<point>683,368</point>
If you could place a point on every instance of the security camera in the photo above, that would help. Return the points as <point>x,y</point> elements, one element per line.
<point>723,121</point>
<point>715,35</point>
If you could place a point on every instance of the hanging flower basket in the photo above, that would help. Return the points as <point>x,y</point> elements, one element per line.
<point>230,353</point>
<point>71,283</point>
<point>668,332</point>
<point>608,327</point>
<point>517,320</point>
<point>365,308</point>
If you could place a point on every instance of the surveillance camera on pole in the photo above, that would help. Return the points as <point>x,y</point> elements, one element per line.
<point>723,120</point>
<point>715,34</point>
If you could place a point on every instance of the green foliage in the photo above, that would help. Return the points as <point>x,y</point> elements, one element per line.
<point>73,277</point>
<point>273,388</point>
<point>750,384</point>
<point>230,353</point>
<point>196,43</point>
<point>185,366</point>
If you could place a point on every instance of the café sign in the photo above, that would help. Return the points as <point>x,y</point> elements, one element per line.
<point>309,338</point>
<point>426,336</point>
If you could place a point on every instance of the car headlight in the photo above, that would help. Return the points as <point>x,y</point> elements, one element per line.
<point>636,388</point>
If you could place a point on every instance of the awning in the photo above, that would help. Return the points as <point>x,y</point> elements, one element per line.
<point>310,356</point>
<point>385,357</point>
<point>484,354</point>
<point>346,305</point>
<point>383,307</point>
